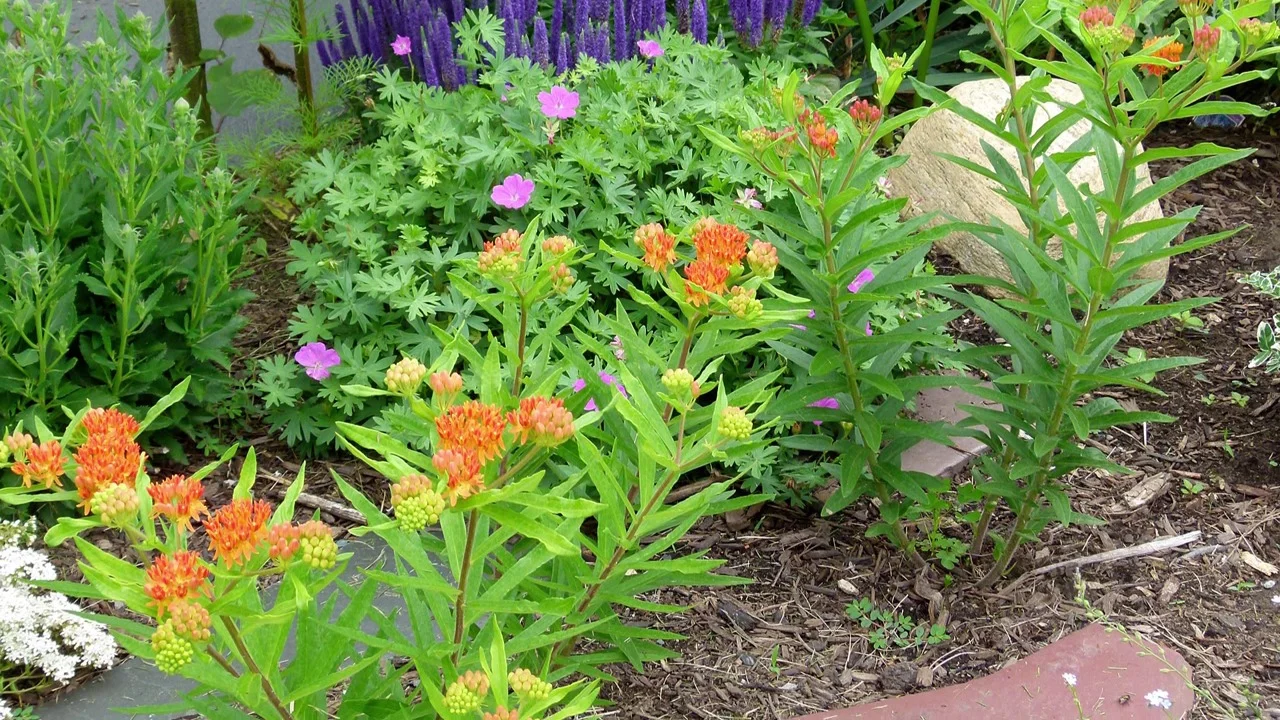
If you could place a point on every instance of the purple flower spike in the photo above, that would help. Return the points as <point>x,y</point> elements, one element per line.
<point>541,45</point>
<point>562,55</point>
<point>861,281</point>
<point>401,46</point>
<point>651,49</point>
<point>317,358</point>
<point>513,193</point>
<point>698,23</point>
<point>559,103</point>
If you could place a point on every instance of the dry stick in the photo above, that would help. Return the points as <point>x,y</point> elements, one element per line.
<point>316,502</point>
<point>1148,548</point>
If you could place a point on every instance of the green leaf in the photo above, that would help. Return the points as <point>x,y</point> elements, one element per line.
<point>232,25</point>
<point>531,528</point>
<point>248,475</point>
<point>173,397</point>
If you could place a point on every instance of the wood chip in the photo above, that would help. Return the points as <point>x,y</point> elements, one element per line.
<point>1169,590</point>
<point>846,587</point>
<point>1151,487</point>
<point>1258,564</point>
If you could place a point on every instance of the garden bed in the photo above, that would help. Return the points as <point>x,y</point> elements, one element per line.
<point>784,646</point>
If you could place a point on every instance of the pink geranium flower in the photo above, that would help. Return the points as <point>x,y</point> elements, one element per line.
<point>863,278</point>
<point>401,46</point>
<point>559,103</point>
<point>650,48</point>
<point>825,403</point>
<point>513,193</point>
<point>317,358</point>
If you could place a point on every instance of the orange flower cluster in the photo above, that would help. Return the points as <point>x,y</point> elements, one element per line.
<point>473,426</point>
<point>822,138</point>
<point>659,246</point>
<point>180,499</point>
<point>109,456</point>
<point>44,464</point>
<point>704,276</point>
<point>502,255</point>
<point>463,470</point>
<point>175,577</point>
<point>541,420</point>
<point>236,529</point>
<point>1171,51</point>
<point>719,243</point>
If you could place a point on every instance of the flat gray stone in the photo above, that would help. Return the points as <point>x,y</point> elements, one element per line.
<point>135,682</point>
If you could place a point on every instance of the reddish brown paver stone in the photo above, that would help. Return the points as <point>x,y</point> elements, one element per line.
<point>940,405</point>
<point>1113,677</point>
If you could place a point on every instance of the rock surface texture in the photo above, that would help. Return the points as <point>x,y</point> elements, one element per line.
<point>935,184</point>
<point>1115,678</point>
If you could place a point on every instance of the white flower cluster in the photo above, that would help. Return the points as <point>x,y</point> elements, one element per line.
<point>39,629</point>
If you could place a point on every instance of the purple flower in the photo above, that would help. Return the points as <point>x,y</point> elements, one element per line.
<point>650,48</point>
<point>402,46</point>
<point>618,351</point>
<point>801,328</point>
<point>513,193</point>
<point>317,358</point>
<point>863,278</point>
<point>612,381</point>
<point>825,403</point>
<point>579,385</point>
<point>812,314</point>
<point>698,23</point>
<point>747,199</point>
<point>559,103</point>
<point>868,329</point>
<point>591,405</point>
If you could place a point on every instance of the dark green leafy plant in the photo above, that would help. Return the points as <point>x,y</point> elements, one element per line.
<point>1062,317</point>
<point>120,237</point>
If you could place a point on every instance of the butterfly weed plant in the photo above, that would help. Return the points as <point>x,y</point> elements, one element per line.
<point>539,511</point>
<point>1061,317</point>
<point>839,240</point>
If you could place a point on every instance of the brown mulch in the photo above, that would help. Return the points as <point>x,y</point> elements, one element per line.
<point>784,646</point>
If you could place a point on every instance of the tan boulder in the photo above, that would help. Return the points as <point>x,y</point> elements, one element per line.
<point>935,184</point>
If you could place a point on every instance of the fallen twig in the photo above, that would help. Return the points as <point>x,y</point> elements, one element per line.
<point>1148,548</point>
<point>316,502</point>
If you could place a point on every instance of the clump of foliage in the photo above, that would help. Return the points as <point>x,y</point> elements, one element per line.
<point>1268,356</point>
<point>386,219</point>
<point>1046,383</point>
<point>120,237</point>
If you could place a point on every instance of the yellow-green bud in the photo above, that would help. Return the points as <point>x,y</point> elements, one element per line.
<point>416,512</point>
<point>172,652</point>
<point>743,303</point>
<point>528,686</point>
<point>405,377</point>
<point>735,424</point>
<point>116,504</point>
<point>677,380</point>
<point>316,545</point>
<point>460,700</point>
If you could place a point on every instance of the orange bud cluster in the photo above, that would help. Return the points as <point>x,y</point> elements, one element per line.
<point>1205,42</point>
<point>542,421</point>
<point>822,138</point>
<point>501,256</point>
<point>109,456</point>
<point>658,244</point>
<point>282,542</point>
<point>866,117</point>
<point>179,499</point>
<point>44,462</point>
<point>179,576</point>
<point>236,530</point>
<point>1171,51</point>
<point>189,620</point>
<point>445,384</point>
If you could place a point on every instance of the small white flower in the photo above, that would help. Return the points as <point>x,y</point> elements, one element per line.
<point>1069,678</point>
<point>886,187</point>
<point>1269,584</point>
<point>1159,699</point>
<point>1275,599</point>
<point>747,199</point>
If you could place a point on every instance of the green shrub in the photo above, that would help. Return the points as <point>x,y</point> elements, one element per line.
<point>120,239</point>
<point>1268,331</point>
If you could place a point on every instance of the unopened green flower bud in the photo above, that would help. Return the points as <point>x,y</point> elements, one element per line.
<point>528,686</point>
<point>116,504</point>
<point>405,377</point>
<point>460,700</point>
<point>677,380</point>
<point>172,652</point>
<point>316,546</point>
<point>734,424</point>
<point>743,303</point>
<point>181,105</point>
<point>419,511</point>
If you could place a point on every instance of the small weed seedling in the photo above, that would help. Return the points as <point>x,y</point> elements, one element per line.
<point>889,629</point>
<point>1191,488</point>
<point>1239,398</point>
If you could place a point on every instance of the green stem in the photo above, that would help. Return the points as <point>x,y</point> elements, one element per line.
<point>249,662</point>
<point>864,25</point>
<point>302,66</point>
<point>926,51</point>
